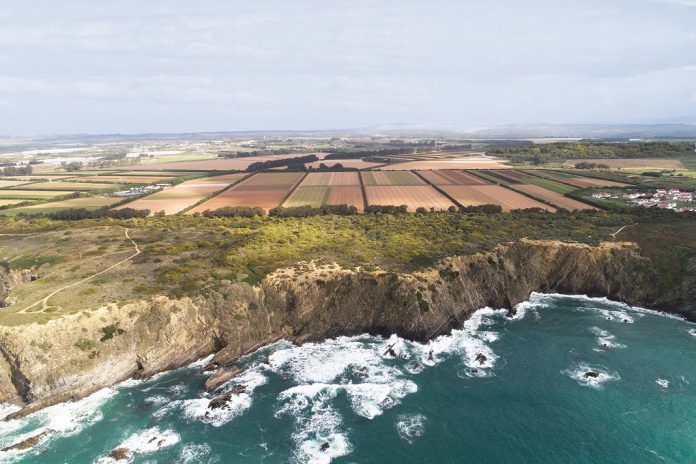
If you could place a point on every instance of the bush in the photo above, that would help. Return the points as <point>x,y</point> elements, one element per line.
<point>483,209</point>
<point>307,211</point>
<point>386,209</point>
<point>235,211</point>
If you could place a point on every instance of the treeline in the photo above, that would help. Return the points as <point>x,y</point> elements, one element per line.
<point>370,153</point>
<point>17,170</point>
<point>561,151</point>
<point>233,211</point>
<point>292,163</point>
<point>586,165</point>
<point>308,211</point>
<point>81,213</point>
<point>247,154</point>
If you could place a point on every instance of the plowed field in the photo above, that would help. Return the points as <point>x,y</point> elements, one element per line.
<point>392,178</point>
<point>474,195</point>
<point>554,198</point>
<point>452,177</point>
<point>412,196</point>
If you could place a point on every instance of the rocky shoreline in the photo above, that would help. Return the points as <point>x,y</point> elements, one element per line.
<point>75,355</point>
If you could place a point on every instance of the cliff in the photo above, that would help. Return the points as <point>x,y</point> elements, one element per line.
<point>71,356</point>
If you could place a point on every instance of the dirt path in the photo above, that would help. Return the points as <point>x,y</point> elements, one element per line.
<point>44,302</point>
<point>622,228</point>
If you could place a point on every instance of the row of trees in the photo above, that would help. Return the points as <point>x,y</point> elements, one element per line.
<point>292,163</point>
<point>81,213</point>
<point>17,170</point>
<point>308,211</point>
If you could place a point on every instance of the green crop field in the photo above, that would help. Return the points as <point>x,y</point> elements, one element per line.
<point>313,196</point>
<point>551,185</point>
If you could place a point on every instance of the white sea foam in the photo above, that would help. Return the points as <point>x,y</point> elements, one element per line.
<point>318,437</point>
<point>198,409</point>
<point>144,442</point>
<point>580,372</point>
<point>6,409</point>
<point>540,297</point>
<point>692,332</point>
<point>411,427</point>
<point>664,383</point>
<point>605,339</point>
<point>194,454</point>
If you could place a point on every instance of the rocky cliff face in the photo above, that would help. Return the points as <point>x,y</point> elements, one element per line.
<point>77,354</point>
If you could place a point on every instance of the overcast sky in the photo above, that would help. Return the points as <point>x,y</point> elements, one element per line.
<point>178,66</point>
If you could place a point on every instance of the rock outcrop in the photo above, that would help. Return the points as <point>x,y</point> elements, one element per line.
<point>71,356</point>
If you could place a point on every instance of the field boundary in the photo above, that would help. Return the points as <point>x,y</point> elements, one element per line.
<point>447,195</point>
<point>292,189</point>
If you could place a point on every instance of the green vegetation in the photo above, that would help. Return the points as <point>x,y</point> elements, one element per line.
<point>551,185</point>
<point>562,151</point>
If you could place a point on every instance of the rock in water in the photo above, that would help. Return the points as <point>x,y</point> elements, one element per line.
<point>220,401</point>
<point>591,375</point>
<point>325,446</point>
<point>481,358</point>
<point>29,442</point>
<point>120,454</point>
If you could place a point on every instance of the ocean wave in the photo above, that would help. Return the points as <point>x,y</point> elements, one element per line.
<point>143,442</point>
<point>664,383</point>
<point>591,376</point>
<point>63,419</point>
<point>605,339</point>
<point>411,427</point>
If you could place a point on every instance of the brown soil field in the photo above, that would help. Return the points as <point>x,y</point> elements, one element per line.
<point>222,164</point>
<point>412,196</point>
<point>632,163</point>
<point>499,174</point>
<point>351,196</point>
<point>331,179</point>
<point>265,190</point>
<point>473,195</point>
<point>125,179</point>
<point>452,177</point>
<point>391,178</point>
<point>175,199</point>
<point>455,163</point>
<point>271,180</point>
<point>349,163</point>
<point>554,198</point>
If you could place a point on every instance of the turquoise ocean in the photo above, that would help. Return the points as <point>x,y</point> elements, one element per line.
<point>497,390</point>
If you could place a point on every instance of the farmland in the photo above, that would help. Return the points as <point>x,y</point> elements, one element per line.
<point>391,178</point>
<point>578,181</point>
<point>220,164</point>
<point>265,190</point>
<point>125,179</point>
<point>553,198</point>
<point>175,199</point>
<point>449,163</point>
<point>72,186</point>
<point>32,194</point>
<point>631,163</point>
<point>453,177</point>
<point>347,163</point>
<point>413,196</point>
<point>328,188</point>
<point>89,203</point>
<point>11,183</point>
<point>474,195</point>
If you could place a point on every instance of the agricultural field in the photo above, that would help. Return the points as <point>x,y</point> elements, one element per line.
<point>71,186</point>
<point>631,163</point>
<point>265,190</point>
<point>330,179</point>
<point>556,199</point>
<point>218,164</point>
<point>467,162</point>
<point>475,195</point>
<point>90,203</point>
<point>8,202</point>
<point>391,178</point>
<point>175,199</point>
<point>578,181</point>
<point>347,163</point>
<point>11,183</point>
<point>328,188</point>
<point>32,194</point>
<point>413,196</point>
<point>452,177</point>
<point>125,179</point>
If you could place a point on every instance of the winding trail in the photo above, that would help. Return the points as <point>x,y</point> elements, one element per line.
<point>44,302</point>
<point>622,228</point>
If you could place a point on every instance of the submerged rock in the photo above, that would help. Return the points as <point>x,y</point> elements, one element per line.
<point>29,442</point>
<point>481,358</point>
<point>325,446</point>
<point>120,454</point>
<point>220,401</point>
<point>591,375</point>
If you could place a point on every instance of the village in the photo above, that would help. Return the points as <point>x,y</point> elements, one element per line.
<point>673,199</point>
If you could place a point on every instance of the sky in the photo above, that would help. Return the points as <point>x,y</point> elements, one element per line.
<point>180,66</point>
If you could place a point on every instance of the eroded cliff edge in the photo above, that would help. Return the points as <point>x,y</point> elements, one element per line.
<point>70,357</point>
